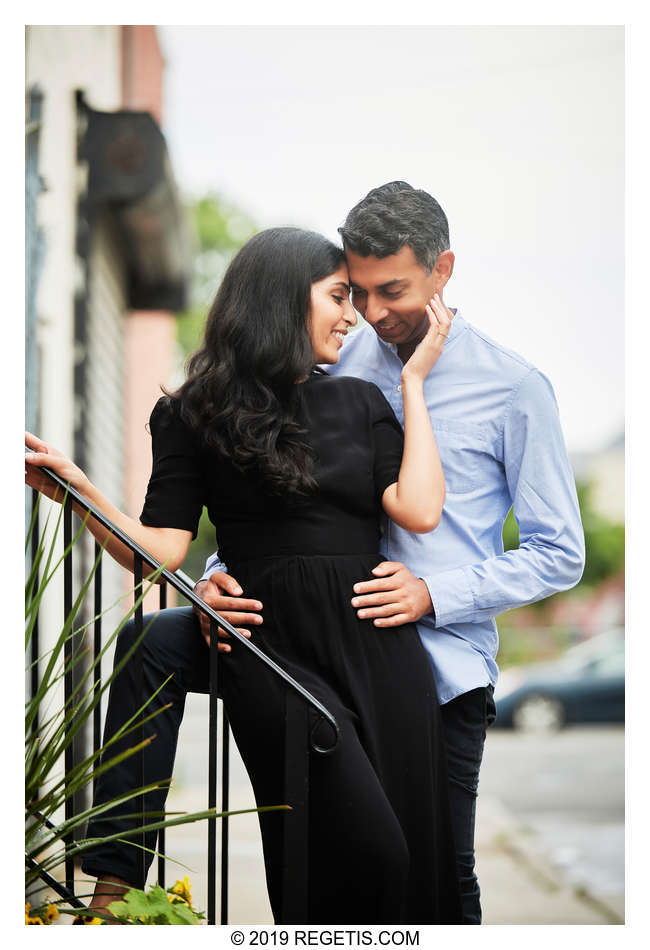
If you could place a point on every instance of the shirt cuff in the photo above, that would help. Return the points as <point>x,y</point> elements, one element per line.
<point>451,596</point>
<point>212,565</point>
<point>431,613</point>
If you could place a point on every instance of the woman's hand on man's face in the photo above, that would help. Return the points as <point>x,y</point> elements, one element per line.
<point>429,350</point>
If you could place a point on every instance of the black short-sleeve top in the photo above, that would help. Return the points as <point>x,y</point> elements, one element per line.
<point>358,445</point>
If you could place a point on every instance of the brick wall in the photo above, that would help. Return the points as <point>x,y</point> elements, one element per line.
<point>142,70</point>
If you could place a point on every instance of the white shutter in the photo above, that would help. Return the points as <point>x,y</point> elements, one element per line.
<point>104,436</point>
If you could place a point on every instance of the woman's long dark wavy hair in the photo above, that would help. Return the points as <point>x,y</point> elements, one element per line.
<point>240,394</point>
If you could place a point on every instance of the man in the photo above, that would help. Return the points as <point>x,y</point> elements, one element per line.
<point>501,445</point>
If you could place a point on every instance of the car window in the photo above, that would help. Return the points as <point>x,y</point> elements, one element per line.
<point>612,664</point>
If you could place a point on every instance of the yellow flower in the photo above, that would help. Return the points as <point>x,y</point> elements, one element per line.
<point>95,920</point>
<point>34,920</point>
<point>182,888</point>
<point>51,913</point>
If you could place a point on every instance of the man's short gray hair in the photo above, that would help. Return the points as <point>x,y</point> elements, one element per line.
<point>394,216</point>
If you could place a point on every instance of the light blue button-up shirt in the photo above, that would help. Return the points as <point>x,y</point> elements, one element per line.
<point>498,432</point>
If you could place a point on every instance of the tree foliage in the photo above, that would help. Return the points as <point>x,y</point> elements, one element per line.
<point>221,227</point>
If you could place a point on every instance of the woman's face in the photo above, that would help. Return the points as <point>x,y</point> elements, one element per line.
<point>331,315</point>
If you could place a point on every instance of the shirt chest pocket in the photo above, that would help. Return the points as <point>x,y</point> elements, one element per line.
<point>462,447</point>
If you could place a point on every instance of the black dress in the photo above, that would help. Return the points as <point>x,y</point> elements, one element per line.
<point>380,840</point>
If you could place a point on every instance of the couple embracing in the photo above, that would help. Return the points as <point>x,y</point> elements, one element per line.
<point>358,483</point>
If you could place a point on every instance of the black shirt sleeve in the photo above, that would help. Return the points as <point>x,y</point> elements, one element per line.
<point>388,441</point>
<point>175,493</point>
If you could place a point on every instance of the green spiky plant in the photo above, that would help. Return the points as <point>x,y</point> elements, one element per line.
<point>51,727</point>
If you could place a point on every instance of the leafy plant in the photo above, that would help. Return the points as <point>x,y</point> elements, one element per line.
<point>51,727</point>
<point>157,906</point>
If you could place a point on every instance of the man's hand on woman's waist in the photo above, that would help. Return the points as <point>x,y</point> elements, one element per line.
<point>223,593</point>
<point>394,597</point>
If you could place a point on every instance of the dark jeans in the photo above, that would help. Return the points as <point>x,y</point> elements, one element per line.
<point>169,646</point>
<point>465,720</point>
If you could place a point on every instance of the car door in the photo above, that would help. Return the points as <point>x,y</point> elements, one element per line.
<point>602,692</point>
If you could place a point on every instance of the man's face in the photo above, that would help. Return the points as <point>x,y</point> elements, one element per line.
<point>392,292</point>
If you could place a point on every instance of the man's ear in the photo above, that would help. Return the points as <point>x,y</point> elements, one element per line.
<point>444,268</point>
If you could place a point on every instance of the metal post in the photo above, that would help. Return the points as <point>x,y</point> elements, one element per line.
<point>225,797</point>
<point>34,644</point>
<point>162,593</point>
<point>68,679</point>
<point>212,775</point>
<point>295,857</point>
<point>97,649</point>
<point>139,677</point>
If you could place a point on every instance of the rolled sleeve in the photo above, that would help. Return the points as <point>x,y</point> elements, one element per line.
<point>542,486</point>
<point>551,552</point>
<point>451,596</point>
<point>213,565</point>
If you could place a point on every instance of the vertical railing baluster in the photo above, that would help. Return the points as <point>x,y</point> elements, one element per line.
<point>97,649</point>
<point>68,680</point>
<point>162,594</point>
<point>225,802</point>
<point>212,775</point>
<point>34,644</point>
<point>295,876</point>
<point>139,678</point>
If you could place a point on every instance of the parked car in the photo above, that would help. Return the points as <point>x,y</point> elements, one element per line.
<point>585,684</point>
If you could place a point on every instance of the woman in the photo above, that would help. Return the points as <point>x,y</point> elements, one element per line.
<point>294,466</point>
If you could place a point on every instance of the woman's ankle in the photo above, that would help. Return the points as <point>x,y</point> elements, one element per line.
<point>107,890</point>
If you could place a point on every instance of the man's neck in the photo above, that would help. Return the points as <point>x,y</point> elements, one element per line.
<point>406,350</point>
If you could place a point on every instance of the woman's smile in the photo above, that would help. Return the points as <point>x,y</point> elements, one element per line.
<point>331,315</point>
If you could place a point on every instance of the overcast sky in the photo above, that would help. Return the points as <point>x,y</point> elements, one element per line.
<point>517,131</point>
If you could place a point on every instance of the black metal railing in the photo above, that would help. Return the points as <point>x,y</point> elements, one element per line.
<point>299,737</point>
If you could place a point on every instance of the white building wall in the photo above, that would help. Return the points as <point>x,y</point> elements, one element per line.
<point>62,60</point>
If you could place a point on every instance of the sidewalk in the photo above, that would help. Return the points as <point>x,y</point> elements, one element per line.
<point>518,883</point>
